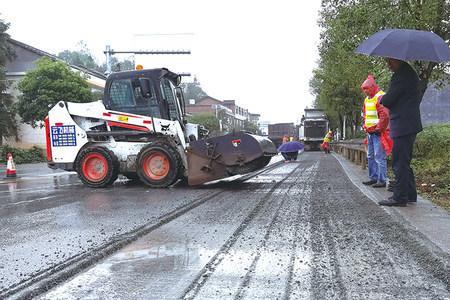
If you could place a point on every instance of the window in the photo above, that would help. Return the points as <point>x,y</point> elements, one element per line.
<point>121,93</point>
<point>168,95</point>
<point>126,96</point>
<point>141,100</point>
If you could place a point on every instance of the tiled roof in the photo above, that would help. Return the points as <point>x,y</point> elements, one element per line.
<point>52,56</point>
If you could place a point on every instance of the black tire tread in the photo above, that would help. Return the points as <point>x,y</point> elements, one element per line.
<point>112,160</point>
<point>176,167</point>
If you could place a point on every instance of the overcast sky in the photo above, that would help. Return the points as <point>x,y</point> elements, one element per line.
<point>259,53</point>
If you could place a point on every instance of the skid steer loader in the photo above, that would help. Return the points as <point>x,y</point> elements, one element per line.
<point>139,130</point>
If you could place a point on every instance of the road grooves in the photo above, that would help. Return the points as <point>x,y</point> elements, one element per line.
<point>240,293</point>
<point>209,268</point>
<point>47,278</point>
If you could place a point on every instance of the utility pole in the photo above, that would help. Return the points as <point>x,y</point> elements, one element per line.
<point>109,52</point>
<point>344,127</point>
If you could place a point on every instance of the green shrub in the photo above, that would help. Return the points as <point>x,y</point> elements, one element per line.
<point>21,156</point>
<point>433,141</point>
<point>431,163</point>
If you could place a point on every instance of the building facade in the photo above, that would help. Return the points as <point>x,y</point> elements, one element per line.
<point>231,115</point>
<point>240,114</point>
<point>254,118</point>
<point>264,127</point>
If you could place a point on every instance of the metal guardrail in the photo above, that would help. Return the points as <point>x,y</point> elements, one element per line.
<point>353,151</point>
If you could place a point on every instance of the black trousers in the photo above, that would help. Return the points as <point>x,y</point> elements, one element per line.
<point>290,155</point>
<point>405,187</point>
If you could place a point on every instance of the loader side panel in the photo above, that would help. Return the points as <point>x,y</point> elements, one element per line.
<point>66,138</point>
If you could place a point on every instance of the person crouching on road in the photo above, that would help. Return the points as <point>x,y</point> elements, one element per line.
<point>376,125</point>
<point>326,142</point>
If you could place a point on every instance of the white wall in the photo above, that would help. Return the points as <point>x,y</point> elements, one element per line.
<point>28,137</point>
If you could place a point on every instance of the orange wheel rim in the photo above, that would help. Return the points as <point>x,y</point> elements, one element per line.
<point>94,167</point>
<point>156,166</point>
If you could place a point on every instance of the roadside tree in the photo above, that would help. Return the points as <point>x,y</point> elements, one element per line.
<point>118,65</point>
<point>43,87</point>
<point>345,24</point>
<point>208,120</point>
<point>193,90</point>
<point>251,127</point>
<point>83,57</point>
<point>8,124</point>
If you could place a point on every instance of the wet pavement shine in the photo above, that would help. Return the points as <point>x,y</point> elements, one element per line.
<point>47,221</point>
<point>300,230</point>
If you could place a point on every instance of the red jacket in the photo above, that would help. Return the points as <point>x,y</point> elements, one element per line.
<point>382,127</point>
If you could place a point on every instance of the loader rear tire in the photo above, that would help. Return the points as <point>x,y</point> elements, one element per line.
<point>97,167</point>
<point>158,165</point>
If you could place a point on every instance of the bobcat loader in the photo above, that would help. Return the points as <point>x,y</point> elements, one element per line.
<point>139,130</point>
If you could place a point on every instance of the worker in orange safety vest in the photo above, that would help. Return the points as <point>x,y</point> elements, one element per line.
<point>326,141</point>
<point>376,125</point>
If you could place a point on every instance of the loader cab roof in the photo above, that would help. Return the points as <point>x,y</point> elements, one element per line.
<point>151,73</point>
<point>148,92</point>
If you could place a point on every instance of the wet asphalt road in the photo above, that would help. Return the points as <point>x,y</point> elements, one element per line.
<point>45,221</point>
<point>299,231</point>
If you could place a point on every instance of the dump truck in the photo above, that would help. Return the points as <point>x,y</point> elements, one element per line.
<point>313,128</point>
<point>279,130</point>
<point>139,130</point>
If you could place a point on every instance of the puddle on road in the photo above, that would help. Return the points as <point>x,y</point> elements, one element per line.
<point>143,265</point>
<point>35,193</point>
<point>47,184</point>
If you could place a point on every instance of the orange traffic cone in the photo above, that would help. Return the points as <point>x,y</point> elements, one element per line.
<point>10,167</point>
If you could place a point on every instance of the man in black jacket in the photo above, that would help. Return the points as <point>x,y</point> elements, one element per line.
<point>403,101</point>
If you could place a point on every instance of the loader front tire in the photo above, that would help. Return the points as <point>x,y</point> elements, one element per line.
<point>158,165</point>
<point>97,167</point>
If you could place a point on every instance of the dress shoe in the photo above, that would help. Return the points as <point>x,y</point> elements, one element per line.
<point>379,185</point>
<point>391,202</point>
<point>369,182</point>
<point>409,200</point>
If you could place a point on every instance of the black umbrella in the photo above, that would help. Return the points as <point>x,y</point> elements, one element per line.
<point>406,44</point>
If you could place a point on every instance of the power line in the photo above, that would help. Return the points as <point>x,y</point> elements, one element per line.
<point>108,52</point>
<point>164,34</point>
<point>155,52</point>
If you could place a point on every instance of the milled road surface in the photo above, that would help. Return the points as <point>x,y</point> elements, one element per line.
<point>298,231</point>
